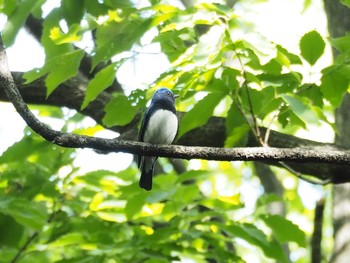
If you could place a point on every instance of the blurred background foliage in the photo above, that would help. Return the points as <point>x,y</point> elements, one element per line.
<point>199,211</point>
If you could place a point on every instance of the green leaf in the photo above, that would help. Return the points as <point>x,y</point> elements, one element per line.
<point>118,3</point>
<point>119,111</point>
<point>114,37</point>
<point>284,230</point>
<point>62,68</point>
<point>72,11</point>
<point>74,34</point>
<point>272,67</point>
<point>95,8</point>
<point>135,204</point>
<point>52,21</point>
<point>102,80</point>
<point>208,50</point>
<point>229,77</point>
<point>191,175</point>
<point>37,257</point>
<point>335,82</point>
<point>267,199</point>
<point>256,237</point>
<point>20,151</point>
<point>187,194</point>
<point>263,101</point>
<point>313,93</point>
<point>345,2</point>
<point>68,239</point>
<point>291,79</point>
<point>237,128</point>
<point>307,4</point>
<point>342,43</point>
<point>301,109</point>
<point>11,231</point>
<point>171,44</point>
<point>29,214</point>
<point>59,69</point>
<point>200,113</point>
<point>283,54</point>
<point>17,19</point>
<point>8,7</point>
<point>312,46</point>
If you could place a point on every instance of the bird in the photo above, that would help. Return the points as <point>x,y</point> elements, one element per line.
<point>159,126</point>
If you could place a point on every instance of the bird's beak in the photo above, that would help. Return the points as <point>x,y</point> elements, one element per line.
<point>176,96</point>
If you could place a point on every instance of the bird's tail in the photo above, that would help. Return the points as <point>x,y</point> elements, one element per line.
<point>146,179</point>
<point>147,165</point>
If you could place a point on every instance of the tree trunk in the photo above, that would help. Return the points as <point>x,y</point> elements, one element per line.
<point>339,24</point>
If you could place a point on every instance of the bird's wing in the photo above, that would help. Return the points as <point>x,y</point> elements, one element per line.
<point>144,124</point>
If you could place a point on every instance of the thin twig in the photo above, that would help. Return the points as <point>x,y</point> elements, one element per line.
<point>24,247</point>
<point>268,128</point>
<point>34,235</point>
<point>303,177</point>
<point>245,85</point>
<point>245,116</point>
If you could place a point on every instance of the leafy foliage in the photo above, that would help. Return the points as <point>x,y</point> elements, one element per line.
<point>202,215</point>
<point>103,214</point>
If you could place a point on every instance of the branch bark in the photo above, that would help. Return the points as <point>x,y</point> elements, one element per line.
<point>302,155</point>
<point>316,239</point>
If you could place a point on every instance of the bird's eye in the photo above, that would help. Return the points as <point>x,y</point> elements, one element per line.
<point>168,93</point>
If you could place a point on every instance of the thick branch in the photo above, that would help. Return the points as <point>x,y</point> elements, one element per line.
<point>303,155</point>
<point>72,93</point>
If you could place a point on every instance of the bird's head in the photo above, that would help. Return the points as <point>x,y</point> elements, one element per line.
<point>164,94</point>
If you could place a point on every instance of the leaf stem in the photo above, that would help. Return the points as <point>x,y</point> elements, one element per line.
<point>245,85</point>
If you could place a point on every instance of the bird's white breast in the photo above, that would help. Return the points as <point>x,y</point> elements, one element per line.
<point>161,128</point>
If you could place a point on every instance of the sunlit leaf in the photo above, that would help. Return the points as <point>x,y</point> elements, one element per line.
<point>335,82</point>
<point>193,175</point>
<point>29,214</point>
<point>255,236</point>
<point>102,80</point>
<point>134,205</point>
<point>301,109</point>
<point>208,48</point>
<point>114,37</point>
<point>72,11</point>
<point>58,69</point>
<point>171,44</point>
<point>342,44</point>
<point>345,2</point>
<point>312,46</point>
<point>73,35</point>
<point>237,127</point>
<point>17,19</point>
<point>112,216</point>
<point>284,230</point>
<point>119,111</point>
<point>283,54</point>
<point>68,239</point>
<point>200,113</point>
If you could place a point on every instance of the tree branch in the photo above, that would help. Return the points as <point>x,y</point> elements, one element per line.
<point>303,154</point>
<point>316,250</point>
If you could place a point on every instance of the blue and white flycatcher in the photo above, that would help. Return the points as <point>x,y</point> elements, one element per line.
<point>159,126</point>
